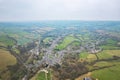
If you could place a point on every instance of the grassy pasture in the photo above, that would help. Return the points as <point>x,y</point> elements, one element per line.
<point>5,41</point>
<point>6,59</point>
<point>112,73</point>
<point>110,45</point>
<point>66,41</point>
<point>42,76</point>
<point>108,54</point>
<point>85,56</point>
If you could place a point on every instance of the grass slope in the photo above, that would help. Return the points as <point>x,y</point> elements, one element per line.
<point>67,40</point>
<point>6,59</point>
<point>5,41</point>
<point>112,73</point>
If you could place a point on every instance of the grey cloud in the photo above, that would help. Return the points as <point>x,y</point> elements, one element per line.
<point>23,10</point>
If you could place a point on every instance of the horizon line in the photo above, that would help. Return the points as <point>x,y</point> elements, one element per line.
<point>56,20</point>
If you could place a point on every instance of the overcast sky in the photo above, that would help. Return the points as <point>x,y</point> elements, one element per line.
<point>28,10</point>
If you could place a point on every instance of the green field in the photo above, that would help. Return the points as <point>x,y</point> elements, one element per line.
<point>6,59</point>
<point>42,76</point>
<point>83,55</point>
<point>110,45</point>
<point>76,43</point>
<point>108,54</point>
<point>105,54</point>
<point>112,73</point>
<point>5,41</point>
<point>66,41</point>
<point>18,34</point>
<point>47,40</point>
